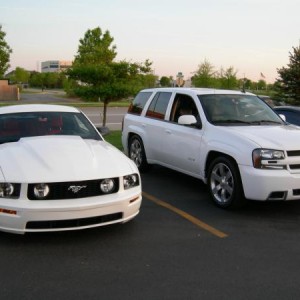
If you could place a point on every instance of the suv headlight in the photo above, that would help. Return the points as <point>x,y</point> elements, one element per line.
<point>268,159</point>
<point>130,181</point>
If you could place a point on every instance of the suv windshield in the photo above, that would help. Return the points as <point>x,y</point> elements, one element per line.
<point>15,126</point>
<point>238,110</point>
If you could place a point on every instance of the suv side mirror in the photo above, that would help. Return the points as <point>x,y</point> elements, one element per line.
<point>189,120</point>
<point>282,117</point>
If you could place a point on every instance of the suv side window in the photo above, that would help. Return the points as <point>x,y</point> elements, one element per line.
<point>158,106</point>
<point>136,107</point>
<point>183,105</point>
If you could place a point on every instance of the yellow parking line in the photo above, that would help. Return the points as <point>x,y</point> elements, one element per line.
<point>187,216</point>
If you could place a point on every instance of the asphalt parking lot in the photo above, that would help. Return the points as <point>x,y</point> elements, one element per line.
<point>180,246</point>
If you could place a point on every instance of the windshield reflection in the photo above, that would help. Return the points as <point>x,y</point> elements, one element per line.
<point>15,126</point>
<point>238,110</point>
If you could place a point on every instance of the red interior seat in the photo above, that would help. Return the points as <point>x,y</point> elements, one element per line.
<point>56,125</point>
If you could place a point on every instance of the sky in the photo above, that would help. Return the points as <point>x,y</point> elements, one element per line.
<point>253,36</point>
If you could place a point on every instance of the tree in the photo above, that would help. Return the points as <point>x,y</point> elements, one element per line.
<point>36,79</point>
<point>261,85</point>
<point>288,83</point>
<point>244,84</point>
<point>5,52</point>
<point>20,75</point>
<point>95,76</point>
<point>205,75</point>
<point>165,81</point>
<point>47,80</point>
<point>228,79</point>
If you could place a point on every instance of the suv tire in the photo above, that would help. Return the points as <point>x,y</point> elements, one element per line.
<point>137,153</point>
<point>224,183</point>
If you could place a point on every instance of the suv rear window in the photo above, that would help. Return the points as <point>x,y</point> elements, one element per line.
<point>137,105</point>
<point>158,107</point>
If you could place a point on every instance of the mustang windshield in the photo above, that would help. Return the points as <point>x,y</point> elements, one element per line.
<point>228,110</point>
<point>28,124</point>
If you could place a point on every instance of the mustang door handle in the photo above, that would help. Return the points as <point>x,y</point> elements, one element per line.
<point>168,131</point>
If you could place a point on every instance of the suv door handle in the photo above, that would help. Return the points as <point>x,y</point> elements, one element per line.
<point>168,131</point>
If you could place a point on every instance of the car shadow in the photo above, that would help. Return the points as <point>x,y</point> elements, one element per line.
<point>192,194</point>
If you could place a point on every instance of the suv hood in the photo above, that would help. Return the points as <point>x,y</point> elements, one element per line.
<point>282,137</point>
<point>61,158</point>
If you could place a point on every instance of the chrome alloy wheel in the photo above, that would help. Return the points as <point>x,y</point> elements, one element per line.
<point>136,152</point>
<point>222,183</point>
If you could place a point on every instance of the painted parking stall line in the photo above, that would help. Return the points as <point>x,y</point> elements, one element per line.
<point>187,216</point>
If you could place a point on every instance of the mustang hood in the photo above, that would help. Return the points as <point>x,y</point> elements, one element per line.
<point>61,158</point>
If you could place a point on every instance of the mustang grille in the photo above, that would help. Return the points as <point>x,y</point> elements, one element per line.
<point>73,223</point>
<point>72,190</point>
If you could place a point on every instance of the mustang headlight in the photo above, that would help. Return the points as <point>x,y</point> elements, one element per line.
<point>41,190</point>
<point>268,159</point>
<point>107,185</point>
<point>130,181</point>
<point>6,189</point>
<point>10,190</point>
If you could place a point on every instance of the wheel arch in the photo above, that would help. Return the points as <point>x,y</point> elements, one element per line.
<point>213,155</point>
<point>144,166</point>
<point>238,199</point>
<point>132,132</point>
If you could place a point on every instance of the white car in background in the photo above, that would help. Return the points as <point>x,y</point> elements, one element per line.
<point>231,140</point>
<point>57,172</point>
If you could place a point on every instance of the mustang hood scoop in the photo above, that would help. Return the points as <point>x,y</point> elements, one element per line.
<point>61,158</point>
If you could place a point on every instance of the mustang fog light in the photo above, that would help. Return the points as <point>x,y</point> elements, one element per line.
<point>107,185</point>
<point>6,189</point>
<point>41,190</point>
<point>130,181</point>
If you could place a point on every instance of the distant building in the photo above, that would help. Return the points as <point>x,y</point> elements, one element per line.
<point>8,92</point>
<point>55,65</point>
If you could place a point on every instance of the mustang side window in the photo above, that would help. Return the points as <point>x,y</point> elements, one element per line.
<point>158,107</point>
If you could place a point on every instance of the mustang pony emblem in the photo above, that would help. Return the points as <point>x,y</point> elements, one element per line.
<point>76,188</point>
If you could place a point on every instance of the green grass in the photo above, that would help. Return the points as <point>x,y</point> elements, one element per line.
<point>114,137</point>
<point>100,104</point>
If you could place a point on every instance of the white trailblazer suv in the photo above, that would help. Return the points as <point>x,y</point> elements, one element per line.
<point>231,140</point>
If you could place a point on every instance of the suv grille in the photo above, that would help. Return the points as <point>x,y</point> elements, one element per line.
<point>293,153</point>
<point>294,163</point>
